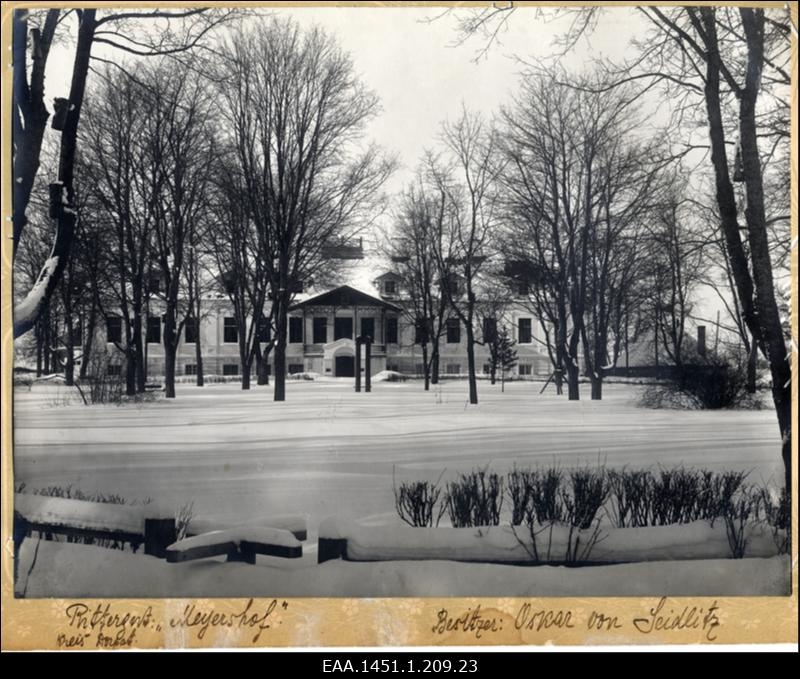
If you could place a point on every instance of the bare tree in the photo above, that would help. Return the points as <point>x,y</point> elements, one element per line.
<point>467,176</point>
<point>731,65</point>
<point>180,155</point>
<point>119,30</point>
<point>242,259</point>
<point>296,112</point>
<point>412,247</point>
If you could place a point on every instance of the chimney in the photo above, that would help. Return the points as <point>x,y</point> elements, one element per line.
<point>701,340</point>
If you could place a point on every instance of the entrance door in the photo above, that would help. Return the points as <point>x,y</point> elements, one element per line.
<point>345,366</point>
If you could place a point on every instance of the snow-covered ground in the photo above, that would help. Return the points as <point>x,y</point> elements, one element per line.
<point>77,571</point>
<point>329,451</point>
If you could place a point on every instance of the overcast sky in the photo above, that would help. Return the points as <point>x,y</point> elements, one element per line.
<point>420,75</point>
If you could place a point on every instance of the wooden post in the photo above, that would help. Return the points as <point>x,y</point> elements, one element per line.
<point>331,548</point>
<point>158,535</point>
<point>358,364</point>
<point>20,533</point>
<point>367,365</point>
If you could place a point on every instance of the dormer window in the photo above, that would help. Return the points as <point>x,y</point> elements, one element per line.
<point>390,287</point>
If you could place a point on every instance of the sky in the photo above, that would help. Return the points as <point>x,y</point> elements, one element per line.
<point>409,58</point>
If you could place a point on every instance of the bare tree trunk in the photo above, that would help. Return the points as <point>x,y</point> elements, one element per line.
<point>88,345</point>
<point>473,382</point>
<point>69,351</point>
<point>752,362</point>
<point>281,322</point>
<point>426,367</point>
<point>38,336</point>
<point>435,364</point>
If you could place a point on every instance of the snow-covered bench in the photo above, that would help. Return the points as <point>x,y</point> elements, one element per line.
<point>98,520</point>
<point>238,544</point>
<point>296,524</point>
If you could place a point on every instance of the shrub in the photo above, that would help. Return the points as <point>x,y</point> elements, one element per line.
<point>631,495</point>
<point>778,513</point>
<point>587,493</point>
<point>415,502</point>
<point>475,499</point>
<point>719,382</point>
<point>737,514</point>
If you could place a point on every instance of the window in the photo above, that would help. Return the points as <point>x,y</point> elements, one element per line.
<point>524,336</point>
<point>320,330</point>
<point>295,330</point>
<point>153,284</point>
<point>190,332</point>
<point>114,330</point>
<point>154,330</point>
<point>389,287</point>
<point>453,331</point>
<point>453,369</point>
<point>342,327</point>
<point>391,331</point>
<point>368,328</point>
<point>114,370</point>
<point>489,329</point>
<point>264,330</point>
<point>295,368</point>
<point>230,331</point>
<point>523,289</point>
<point>525,369</point>
<point>230,368</point>
<point>487,369</point>
<point>393,367</point>
<point>190,369</point>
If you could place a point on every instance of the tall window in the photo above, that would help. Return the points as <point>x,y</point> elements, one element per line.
<point>190,331</point>
<point>154,330</point>
<point>525,369</point>
<point>114,329</point>
<point>320,330</point>
<point>391,331</point>
<point>453,331</point>
<point>190,369</point>
<point>524,336</point>
<point>368,327</point>
<point>153,284</point>
<point>264,330</point>
<point>295,330</point>
<point>342,328</point>
<point>230,332</point>
<point>389,287</point>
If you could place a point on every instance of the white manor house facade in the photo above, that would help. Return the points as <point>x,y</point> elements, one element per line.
<point>323,325</point>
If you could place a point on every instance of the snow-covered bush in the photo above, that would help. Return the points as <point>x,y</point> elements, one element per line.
<point>306,376</point>
<point>587,492</point>
<point>738,514</point>
<point>475,499</point>
<point>536,491</point>
<point>719,382</point>
<point>415,502</point>
<point>631,497</point>
<point>389,376</point>
<point>778,513</point>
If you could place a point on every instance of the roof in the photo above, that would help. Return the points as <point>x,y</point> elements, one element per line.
<point>345,295</point>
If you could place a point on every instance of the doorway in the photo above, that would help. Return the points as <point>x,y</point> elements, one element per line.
<point>345,366</point>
